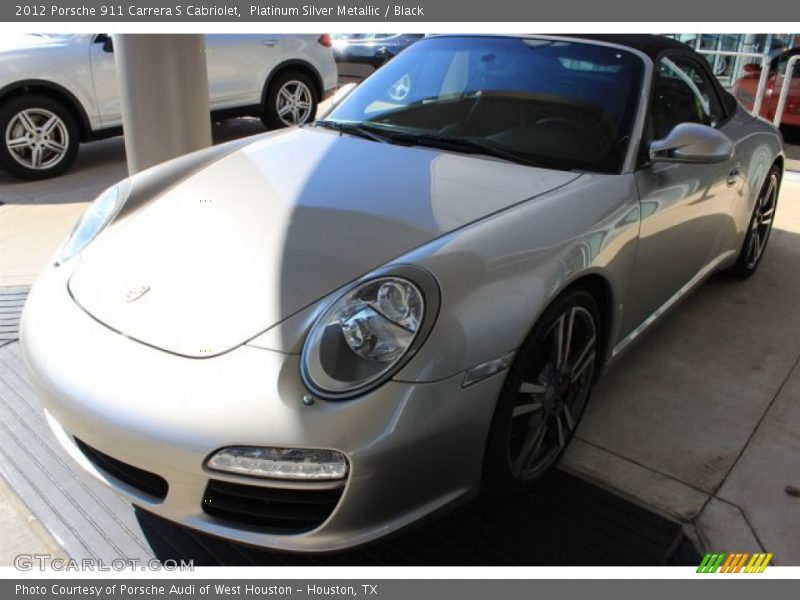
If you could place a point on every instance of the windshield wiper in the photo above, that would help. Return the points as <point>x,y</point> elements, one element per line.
<point>431,140</point>
<point>357,129</point>
<point>462,145</point>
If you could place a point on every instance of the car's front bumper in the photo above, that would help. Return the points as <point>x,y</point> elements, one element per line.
<point>412,448</point>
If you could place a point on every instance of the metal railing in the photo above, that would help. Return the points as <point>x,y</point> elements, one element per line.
<point>762,81</point>
<point>787,80</point>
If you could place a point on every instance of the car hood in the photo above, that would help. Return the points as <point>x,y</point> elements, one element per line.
<point>274,226</point>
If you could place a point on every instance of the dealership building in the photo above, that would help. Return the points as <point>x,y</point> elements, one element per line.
<point>736,60</point>
<point>727,67</point>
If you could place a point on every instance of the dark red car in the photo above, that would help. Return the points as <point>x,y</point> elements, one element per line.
<point>746,87</point>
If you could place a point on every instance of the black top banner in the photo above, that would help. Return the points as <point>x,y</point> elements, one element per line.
<point>422,11</point>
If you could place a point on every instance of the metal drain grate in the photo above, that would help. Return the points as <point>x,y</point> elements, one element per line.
<point>567,521</point>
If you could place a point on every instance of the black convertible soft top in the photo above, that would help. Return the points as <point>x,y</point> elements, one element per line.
<point>651,45</point>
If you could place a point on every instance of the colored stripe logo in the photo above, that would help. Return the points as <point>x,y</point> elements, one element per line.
<point>737,562</point>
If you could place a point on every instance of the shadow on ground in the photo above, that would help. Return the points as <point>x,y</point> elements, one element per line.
<point>567,521</point>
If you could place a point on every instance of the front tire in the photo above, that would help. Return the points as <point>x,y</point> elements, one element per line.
<point>40,137</point>
<point>290,100</point>
<point>759,228</point>
<point>544,395</point>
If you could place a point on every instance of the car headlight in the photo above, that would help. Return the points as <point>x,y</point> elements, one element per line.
<point>370,332</point>
<point>96,218</point>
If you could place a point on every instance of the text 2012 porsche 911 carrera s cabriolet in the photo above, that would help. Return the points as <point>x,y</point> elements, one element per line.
<point>312,338</point>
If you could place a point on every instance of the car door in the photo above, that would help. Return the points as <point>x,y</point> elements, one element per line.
<point>104,80</point>
<point>238,66</point>
<point>685,207</point>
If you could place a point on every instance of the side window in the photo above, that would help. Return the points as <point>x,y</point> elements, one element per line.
<point>683,93</point>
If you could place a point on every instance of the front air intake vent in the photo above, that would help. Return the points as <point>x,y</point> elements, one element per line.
<point>274,510</point>
<point>144,481</point>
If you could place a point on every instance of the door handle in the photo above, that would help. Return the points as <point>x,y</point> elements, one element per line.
<point>270,43</point>
<point>733,176</point>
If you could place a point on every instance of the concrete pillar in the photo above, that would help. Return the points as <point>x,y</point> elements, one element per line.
<point>163,87</point>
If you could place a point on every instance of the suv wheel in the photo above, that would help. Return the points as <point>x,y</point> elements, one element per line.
<point>40,137</point>
<point>291,100</point>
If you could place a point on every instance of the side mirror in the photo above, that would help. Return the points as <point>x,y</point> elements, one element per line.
<point>752,68</point>
<point>692,143</point>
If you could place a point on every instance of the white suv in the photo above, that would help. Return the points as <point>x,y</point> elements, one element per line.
<point>59,90</point>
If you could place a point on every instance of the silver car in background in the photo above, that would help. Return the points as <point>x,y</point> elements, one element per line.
<point>403,303</point>
<point>57,91</point>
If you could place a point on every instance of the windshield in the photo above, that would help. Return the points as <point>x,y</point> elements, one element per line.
<point>560,104</point>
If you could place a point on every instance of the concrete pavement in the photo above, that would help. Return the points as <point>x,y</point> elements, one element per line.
<point>21,532</point>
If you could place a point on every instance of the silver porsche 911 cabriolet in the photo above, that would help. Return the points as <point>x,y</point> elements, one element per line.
<point>312,338</point>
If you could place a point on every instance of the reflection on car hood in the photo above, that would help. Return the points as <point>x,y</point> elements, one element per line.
<point>274,226</point>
